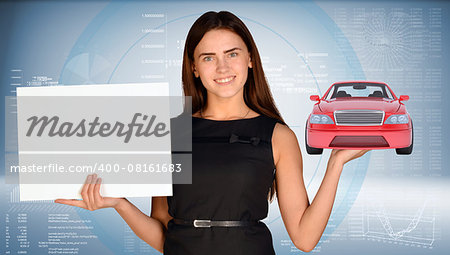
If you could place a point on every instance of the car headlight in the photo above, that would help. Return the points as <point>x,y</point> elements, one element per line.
<point>397,119</point>
<point>320,119</point>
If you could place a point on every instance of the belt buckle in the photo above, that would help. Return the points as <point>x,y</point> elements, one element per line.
<point>202,223</point>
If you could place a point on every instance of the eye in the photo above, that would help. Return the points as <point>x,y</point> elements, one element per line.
<point>233,54</point>
<point>207,58</point>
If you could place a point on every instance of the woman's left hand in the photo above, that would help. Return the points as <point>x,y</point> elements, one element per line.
<point>344,156</point>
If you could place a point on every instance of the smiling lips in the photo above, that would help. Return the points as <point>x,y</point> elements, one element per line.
<point>225,81</point>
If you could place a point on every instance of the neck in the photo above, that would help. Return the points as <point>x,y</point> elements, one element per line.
<point>225,108</point>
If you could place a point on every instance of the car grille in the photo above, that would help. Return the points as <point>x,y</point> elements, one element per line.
<point>359,117</point>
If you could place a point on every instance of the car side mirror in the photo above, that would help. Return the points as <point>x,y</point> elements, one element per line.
<point>403,98</point>
<point>314,98</point>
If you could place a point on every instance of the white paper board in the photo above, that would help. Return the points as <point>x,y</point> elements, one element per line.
<point>72,191</point>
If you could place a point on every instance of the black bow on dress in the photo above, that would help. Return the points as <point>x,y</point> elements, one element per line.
<point>237,139</point>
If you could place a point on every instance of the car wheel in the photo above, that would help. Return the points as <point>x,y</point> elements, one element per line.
<point>311,150</point>
<point>407,150</point>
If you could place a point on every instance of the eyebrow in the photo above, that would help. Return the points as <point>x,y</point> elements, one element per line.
<point>212,53</point>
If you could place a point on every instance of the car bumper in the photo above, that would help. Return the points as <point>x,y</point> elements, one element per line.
<point>358,137</point>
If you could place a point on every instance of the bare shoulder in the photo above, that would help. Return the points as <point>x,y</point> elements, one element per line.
<point>282,132</point>
<point>284,141</point>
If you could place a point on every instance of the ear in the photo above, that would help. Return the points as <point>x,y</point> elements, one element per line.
<point>194,70</point>
<point>250,65</point>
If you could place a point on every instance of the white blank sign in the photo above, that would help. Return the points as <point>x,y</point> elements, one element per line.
<point>72,191</point>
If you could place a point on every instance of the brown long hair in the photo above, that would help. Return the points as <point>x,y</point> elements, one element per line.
<point>257,95</point>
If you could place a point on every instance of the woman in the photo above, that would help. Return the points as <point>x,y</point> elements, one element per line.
<point>239,139</point>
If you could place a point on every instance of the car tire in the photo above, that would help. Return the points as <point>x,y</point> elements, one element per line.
<point>407,150</point>
<point>311,150</point>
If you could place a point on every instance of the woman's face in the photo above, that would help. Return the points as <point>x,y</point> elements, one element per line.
<point>221,60</point>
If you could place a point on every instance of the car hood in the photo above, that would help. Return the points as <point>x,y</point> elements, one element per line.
<point>359,104</point>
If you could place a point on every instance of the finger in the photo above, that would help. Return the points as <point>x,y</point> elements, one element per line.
<point>334,151</point>
<point>363,152</point>
<point>354,154</point>
<point>72,202</point>
<point>359,154</point>
<point>97,197</point>
<point>84,192</point>
<point>91,192</point>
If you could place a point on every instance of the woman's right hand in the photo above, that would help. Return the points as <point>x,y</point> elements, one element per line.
<point>92,200</point>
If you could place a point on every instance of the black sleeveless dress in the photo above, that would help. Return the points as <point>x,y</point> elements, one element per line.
<point>233,169</point>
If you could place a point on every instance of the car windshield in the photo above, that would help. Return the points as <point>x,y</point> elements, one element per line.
<point>369,90</point>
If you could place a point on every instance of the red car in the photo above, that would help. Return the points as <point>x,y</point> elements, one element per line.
<point>359,115</point>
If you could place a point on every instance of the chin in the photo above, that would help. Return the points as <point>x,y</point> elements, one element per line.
<point>226,95</point>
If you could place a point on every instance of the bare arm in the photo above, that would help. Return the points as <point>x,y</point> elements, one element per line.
<point>150,229</point>
<point>305,222</point>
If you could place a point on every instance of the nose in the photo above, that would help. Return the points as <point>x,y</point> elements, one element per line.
<point>222,65</point>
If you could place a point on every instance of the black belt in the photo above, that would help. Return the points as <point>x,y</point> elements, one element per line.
<point>215,223</point>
